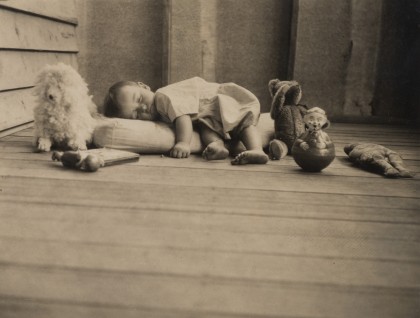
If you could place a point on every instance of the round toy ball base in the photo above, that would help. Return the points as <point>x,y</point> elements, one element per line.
<point>313,159</point>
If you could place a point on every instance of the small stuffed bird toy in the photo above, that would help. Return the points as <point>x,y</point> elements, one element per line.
<point>75,160</point>
<point>378,158</point>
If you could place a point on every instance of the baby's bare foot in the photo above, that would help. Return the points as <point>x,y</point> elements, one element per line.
<point>250,157</point>
<point>215,151</point>
<point>180,150</point>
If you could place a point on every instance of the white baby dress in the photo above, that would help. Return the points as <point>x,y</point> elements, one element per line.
<point>225,108</point>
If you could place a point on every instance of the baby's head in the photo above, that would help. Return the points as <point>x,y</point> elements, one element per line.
<point>130,100</point>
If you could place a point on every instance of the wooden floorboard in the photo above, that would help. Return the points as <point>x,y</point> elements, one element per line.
<point>188,238</point>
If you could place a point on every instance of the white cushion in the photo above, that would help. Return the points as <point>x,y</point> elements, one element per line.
<point>155,137</point>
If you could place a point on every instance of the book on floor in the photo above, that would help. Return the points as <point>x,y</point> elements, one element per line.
<point>112,156</point>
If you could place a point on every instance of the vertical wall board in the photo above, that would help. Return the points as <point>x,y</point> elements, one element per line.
<point>19,68</point>
<point>185,58</point>
<point>245,42</point>
<point>253,44</point>
<point>323,48</point>
<point>398,79</point>
<point>22,31</point>
<point>16,108</point>
<point>64,10</point>
<point>166,41</point>
<point>293,37</point>
<point>361,72</point>
<point>119,40</point>
<point>209,38</point>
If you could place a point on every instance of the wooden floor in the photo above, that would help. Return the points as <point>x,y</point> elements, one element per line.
<point>188,238</point>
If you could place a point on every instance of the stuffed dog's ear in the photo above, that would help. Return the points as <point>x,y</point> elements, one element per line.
<point>326,125</point>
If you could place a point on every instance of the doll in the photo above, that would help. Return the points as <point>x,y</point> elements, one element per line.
<point>314,150</point>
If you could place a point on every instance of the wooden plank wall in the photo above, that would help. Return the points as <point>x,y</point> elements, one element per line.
<point>32,34</point>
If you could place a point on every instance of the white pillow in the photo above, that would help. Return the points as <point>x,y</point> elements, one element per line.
<point>155,137</point>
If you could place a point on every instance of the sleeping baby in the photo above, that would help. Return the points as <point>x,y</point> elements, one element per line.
<point>221,112</point>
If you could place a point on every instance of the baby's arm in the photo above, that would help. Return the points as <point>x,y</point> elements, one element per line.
<point>183,131</point>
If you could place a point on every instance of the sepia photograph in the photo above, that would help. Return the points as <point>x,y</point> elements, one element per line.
<point>209,158</point>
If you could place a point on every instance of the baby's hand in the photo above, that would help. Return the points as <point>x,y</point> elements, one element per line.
<point>180,150</point>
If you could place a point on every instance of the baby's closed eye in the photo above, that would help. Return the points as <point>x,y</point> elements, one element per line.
<point>143,108</point>
<point>139,98</point>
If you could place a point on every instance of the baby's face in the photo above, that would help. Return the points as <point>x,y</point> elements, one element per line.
<point>136,102</point>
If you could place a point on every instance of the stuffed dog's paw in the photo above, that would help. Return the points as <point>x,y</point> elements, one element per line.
<point>44,144</point>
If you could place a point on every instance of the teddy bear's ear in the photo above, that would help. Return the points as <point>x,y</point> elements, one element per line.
<point>295,94</point>
<point>278,99</point>
<point>273,86</point>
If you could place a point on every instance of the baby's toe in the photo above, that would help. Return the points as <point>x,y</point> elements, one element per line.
<point>238,159</point>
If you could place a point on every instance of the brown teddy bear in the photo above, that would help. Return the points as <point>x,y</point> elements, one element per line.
<point>287,115</point>
<point>378,158</point>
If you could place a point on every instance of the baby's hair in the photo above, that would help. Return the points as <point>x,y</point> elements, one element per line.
<point>110,106</point>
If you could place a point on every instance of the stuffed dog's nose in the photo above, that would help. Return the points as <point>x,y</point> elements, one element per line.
<point>51,97</point>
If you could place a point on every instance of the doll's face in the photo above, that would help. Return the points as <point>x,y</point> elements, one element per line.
<point>135,102</point>
<point>315,121</point>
